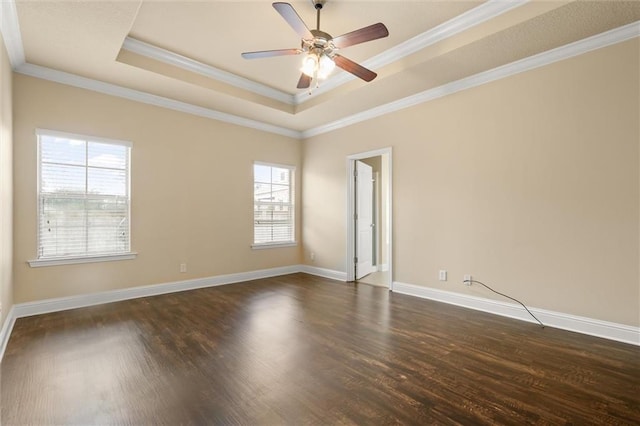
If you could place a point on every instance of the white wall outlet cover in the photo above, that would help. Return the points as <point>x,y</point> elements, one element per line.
<point>442,275</point>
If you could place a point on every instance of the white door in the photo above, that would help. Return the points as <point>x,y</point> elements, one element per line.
<point>364,220</point>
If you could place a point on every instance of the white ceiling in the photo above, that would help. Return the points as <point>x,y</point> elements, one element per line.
<point>190,51</point>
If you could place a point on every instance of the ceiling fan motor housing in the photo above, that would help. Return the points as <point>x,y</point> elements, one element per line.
<point>320,43</point>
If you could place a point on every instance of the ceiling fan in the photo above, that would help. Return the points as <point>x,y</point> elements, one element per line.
<point>321,48</point>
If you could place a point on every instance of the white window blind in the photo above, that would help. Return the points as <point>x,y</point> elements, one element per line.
<point>273,204</point>
<point>83,196</point>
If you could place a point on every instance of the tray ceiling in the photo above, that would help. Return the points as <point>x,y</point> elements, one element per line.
<point>190,51</point>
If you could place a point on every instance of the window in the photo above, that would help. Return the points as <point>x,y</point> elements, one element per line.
<point>83,198</point>
<point>273,205</point>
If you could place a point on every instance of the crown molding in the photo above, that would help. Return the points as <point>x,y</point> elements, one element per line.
<point>147,98</point>
<point>458,24</point>
<point>10,29</point>
<point>580,47</point>
<point>598,41</point>
<point>171,58</point>
<point>11,33</point>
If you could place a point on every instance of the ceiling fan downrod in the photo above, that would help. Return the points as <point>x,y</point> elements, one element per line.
<point>318,4</point>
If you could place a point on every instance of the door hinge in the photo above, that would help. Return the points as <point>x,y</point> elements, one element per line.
<point>355,172</point>
<point>355,216</point>
<point>355,260</point>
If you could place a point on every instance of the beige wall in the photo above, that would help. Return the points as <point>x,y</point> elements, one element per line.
<point>530,183</point>
<point>192,191</point>
<point>6,185</point>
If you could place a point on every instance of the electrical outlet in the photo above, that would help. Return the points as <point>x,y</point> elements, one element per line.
<point>312,256</point>
<point>467,279</point>
<point>183,267</point>
<point>442,275</point>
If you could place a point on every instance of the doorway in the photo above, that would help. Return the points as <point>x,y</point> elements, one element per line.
<point>369,230</point>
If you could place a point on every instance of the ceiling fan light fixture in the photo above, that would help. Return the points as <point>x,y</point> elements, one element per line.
<point>310,64</point>
<point>325,66</point>
<point>317,65</point>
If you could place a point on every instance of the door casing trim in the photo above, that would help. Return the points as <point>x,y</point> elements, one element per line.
<point>350,203</point>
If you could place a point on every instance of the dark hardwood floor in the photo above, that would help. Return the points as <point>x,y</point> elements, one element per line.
<point>304,350</point>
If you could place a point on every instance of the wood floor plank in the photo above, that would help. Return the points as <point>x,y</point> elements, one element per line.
<point>304,350</point>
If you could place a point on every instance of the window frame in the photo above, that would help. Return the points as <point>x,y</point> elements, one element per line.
<point>292,203</point>
<point>86,258</point>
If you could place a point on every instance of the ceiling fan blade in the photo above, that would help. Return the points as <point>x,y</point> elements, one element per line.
<point>304,82</point>
<point>293,19</point>
<point>372,32</point>
<point>270,53</point>
<point>355,69</point>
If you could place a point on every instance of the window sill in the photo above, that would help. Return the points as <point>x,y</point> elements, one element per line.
<point>273,245</point>
<point>55,261</point>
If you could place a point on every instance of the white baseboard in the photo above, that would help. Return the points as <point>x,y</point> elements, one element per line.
<point>592,327</point>
<point>21,310</point>
<point>6,330</point>
<point>604,329</point>
<point>84,300</point>
<point>323,272</point>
